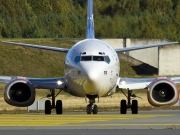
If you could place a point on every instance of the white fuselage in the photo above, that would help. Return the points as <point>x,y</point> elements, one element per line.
<point>91,68</point>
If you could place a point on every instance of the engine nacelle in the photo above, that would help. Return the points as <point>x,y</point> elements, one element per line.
<point>162,91</point>
<point>19,92</point>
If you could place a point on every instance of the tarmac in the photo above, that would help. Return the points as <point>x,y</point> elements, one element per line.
<point>146,122</point>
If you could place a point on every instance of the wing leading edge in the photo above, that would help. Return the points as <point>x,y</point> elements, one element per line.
<point>48,83</point>
<point>5,79</point>
<point>38,83</point>
<point>139,83</point>
<point>143,47</point>
<point>64,50</point>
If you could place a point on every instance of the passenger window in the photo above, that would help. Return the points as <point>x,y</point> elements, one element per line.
<point>86,58</point>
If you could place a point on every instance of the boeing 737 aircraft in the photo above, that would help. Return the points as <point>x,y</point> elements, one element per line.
<point>91,71</point>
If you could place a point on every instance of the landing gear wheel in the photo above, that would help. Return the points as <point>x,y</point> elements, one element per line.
<point>134,107</point>
<point>123,107</point>
<point>89,109</point>
<point>47,107</point>
<point>95,109</point>
<point>92,107</point>
<point>58,107</point>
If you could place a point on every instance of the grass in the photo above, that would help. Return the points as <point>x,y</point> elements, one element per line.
<point>20,61</point>
<point>31,62</point>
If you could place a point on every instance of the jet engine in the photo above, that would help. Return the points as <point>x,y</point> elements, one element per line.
<point>162,91</point>
<point>19,92</point>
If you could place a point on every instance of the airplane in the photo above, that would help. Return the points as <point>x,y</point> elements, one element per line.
<point>92,71</point>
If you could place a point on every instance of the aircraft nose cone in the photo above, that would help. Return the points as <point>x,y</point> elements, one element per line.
<point>92,76</point>
<point>91,85</point>
<point>91,71</point>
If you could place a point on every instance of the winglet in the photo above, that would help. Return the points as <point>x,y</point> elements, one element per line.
<point>90,20</point>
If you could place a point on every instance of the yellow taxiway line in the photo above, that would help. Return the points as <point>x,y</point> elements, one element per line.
<point>72,120</point>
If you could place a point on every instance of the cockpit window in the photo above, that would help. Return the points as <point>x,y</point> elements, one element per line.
<point>93,58</point>
<point>106,58</point>
<point>77,59</point>
<point>86,58</point>
<point>98,58</point>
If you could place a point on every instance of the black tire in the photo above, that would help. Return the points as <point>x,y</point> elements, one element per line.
<point>95,109</point>
<point>123,107</point>
<point>58,107</point>
<point>47,107</point>
<point>89,109</point>
<point>134,107</point>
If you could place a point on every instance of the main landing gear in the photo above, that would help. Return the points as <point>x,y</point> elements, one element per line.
<point>49,106</point>
<point>92,107</point>
<point>133,105</point>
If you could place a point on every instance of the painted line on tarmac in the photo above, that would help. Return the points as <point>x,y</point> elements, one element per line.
<point>113,125</point>
<point>70,120</point>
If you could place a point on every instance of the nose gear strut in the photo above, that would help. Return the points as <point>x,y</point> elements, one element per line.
<point>92,107</point>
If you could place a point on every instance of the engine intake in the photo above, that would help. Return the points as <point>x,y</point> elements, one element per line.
<point>162,92</point>
<point>19,92</point>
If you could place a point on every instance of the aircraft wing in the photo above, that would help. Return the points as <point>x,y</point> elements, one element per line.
<point>39,83</point>
<point>64,50</point>
<point>139,83</point>
<point>48,83</point>
<point>143,47</point>
<point>5,79</point>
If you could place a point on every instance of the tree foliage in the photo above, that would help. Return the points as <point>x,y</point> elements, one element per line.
<point>113,18</point>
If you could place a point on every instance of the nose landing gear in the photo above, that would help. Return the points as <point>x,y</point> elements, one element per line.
<point>92,107</point>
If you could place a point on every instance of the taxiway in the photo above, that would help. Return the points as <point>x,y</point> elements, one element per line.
<point>104,123</point>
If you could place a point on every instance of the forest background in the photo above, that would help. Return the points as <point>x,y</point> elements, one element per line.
<point>67,19</point>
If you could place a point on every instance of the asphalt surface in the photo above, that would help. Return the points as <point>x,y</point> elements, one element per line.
<point>157,122</point>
